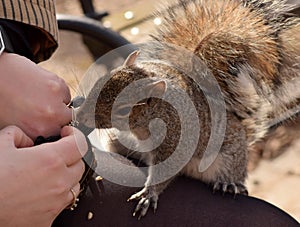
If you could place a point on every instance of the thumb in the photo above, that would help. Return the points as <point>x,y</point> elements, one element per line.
<point>14,136</point>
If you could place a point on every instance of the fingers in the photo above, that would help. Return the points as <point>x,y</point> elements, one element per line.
<point>69,132</point>
<point>71,199</point>
<point>75,172</point>
<point>72,146</point>
<point>65,115</point>
<point>64,158</point>
<point>15,137</point>
<point>66,94</point>
<point>50,120</point>
<point>56,110</point>
<point>58,86</point>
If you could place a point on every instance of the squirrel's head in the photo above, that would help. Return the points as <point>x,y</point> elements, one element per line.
<point>127,94</point>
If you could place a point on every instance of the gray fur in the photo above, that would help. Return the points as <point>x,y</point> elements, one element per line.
<point>252,49</point>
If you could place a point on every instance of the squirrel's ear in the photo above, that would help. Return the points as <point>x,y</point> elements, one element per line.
<point>131,58</point>
<point>157,89</point>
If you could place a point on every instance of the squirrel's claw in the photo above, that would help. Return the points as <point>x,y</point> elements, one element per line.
<point>142,207</point>
<point>146,197</point>
<point>232,188</point>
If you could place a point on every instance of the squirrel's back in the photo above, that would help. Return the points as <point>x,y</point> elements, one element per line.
<point>227,32</point>
<point>251,46</point>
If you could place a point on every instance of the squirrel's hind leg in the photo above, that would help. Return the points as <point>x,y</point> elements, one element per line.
<point>228,171</point>
<point>231,168</point>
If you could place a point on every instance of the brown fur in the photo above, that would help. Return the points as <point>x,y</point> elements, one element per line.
<point>252,50</point>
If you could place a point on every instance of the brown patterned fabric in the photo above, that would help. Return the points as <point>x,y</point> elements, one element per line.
<point>39,13</point>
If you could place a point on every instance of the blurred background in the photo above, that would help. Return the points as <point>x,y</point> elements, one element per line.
<point>276,180</point>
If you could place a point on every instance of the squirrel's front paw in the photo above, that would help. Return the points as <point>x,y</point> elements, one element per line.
<point>147,196</point>
<point>233,188</point>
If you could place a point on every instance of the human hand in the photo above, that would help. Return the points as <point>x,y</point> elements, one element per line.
<point>32,98</point>
<point>36,181</point>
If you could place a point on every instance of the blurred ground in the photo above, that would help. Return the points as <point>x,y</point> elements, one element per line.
<point>276,181</point>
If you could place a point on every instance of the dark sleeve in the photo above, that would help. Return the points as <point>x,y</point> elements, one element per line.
<point>31,26</point>
<point>185,203</point>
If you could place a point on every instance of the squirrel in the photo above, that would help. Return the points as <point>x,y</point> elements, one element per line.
<point>250,47</point>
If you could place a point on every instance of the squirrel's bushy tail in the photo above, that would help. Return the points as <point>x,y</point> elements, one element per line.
<point>246,46</point>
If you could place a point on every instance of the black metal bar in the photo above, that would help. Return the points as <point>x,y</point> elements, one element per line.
<point>89,10</point>
<point>87,6</point>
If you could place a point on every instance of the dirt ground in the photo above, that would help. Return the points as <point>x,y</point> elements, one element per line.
<point>276,181</point>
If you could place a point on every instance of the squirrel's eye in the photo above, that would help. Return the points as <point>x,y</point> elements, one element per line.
<point>124,111</point>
